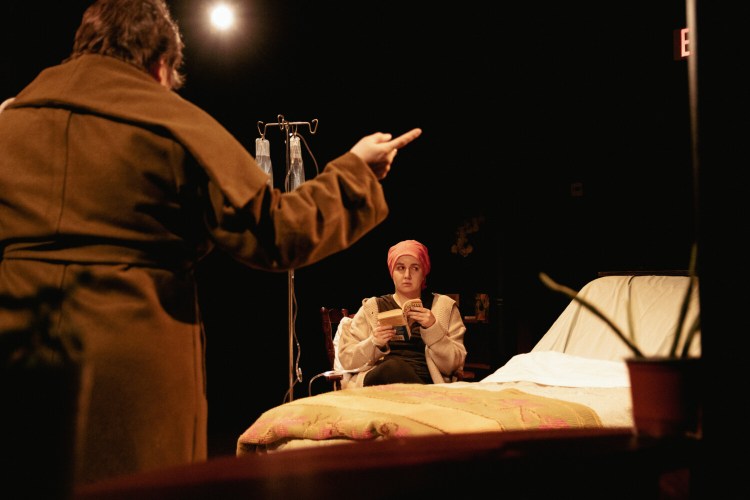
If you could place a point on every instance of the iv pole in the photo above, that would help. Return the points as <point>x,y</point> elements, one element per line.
<point>289,129</point>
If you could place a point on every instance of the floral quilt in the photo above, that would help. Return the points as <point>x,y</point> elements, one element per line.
<point>403,410</point>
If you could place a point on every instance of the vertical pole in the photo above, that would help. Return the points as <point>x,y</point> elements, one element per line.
<point>292,371</point>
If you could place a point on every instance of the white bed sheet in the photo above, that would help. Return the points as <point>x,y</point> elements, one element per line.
<point>581,360</point>
<point>602,385</point>
<point>560,369</point>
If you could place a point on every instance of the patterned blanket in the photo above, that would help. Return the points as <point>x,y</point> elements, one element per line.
<point>402,410</point>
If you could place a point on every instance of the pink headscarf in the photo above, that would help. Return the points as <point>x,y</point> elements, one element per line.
<point>413,248</point>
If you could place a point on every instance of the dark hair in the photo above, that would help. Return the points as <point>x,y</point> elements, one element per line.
<point>140,32</point>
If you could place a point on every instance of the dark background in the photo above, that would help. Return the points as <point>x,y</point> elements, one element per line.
<point>561,129</point>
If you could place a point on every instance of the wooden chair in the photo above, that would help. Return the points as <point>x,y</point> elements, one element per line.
<point>330,319</point>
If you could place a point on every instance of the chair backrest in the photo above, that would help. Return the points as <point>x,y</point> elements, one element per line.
<point>330,319</point>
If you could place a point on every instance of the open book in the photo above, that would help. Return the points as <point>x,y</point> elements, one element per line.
<point>397,317</point>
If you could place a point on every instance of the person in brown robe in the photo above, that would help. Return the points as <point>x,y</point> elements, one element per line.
<point>105,169</point>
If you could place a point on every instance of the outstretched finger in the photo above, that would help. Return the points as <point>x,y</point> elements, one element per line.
<point>406,138</point>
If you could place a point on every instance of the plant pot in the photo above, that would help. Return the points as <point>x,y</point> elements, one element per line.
<point>42,424</point>
<point>666,396</point>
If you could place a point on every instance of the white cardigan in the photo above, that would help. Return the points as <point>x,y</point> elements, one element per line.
<point>444,342</point>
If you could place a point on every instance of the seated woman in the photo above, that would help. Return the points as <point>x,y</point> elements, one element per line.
<point>431,352</point>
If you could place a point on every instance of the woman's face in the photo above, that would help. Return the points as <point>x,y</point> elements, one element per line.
<point>408,276</point>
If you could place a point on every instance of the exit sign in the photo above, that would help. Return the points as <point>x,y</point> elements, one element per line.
<point>681,44</point>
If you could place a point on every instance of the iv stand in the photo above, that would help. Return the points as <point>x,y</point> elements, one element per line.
<point>289,129</point>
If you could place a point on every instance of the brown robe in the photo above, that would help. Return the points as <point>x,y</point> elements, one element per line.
<point>104,170</point>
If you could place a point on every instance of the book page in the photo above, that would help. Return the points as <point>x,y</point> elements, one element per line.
<point>397,317</point>
<point>394,317</point>
<point>411,303</point>
<point>406,308</point>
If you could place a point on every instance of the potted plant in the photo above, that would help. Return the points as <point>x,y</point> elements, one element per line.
<point>44,391</point>
<point>664,388</point>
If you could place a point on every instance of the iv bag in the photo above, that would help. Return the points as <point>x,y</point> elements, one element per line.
<point>263,157</point>
<point>296,167</point>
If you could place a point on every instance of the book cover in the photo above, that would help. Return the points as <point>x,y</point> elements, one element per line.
<point>397,317</point>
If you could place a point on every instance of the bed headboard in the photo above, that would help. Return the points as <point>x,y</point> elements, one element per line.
<point>656,300</point>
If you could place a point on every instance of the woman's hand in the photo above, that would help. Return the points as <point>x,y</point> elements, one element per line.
<point>383,334</point>
<point>421,315</point>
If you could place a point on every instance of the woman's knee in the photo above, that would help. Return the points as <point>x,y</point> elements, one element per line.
<point>392,371</point>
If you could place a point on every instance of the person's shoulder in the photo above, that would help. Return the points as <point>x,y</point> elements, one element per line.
<point>440,298</point>
<point>370,305</point>
<point>369,302</point>
<point>367,312</point>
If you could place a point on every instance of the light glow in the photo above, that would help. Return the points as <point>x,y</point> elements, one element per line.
<point>222,17</point>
